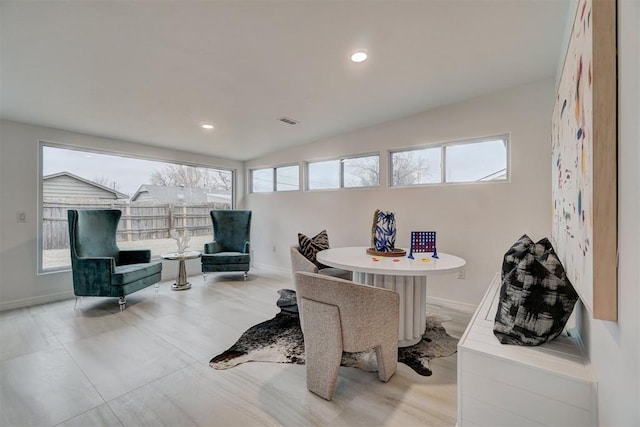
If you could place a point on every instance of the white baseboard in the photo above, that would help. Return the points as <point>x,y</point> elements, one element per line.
<point>457,305</point>
<point>286,273</point>
<point>26,302</point>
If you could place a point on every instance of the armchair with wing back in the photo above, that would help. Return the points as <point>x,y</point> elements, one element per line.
<point>338,315</point>
<point>230,248</point>
<point>99,267</point>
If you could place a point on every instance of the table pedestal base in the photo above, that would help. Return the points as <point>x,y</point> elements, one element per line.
<point>178,287</point>
<point>413,302</point>
<point>181,283</point>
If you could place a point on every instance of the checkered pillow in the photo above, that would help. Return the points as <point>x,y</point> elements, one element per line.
<point>309,247</point>
<point>536,297</point>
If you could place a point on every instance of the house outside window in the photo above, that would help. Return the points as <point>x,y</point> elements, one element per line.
<point>155,197</point>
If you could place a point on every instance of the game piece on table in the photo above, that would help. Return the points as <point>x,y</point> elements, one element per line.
<point>423,241</point>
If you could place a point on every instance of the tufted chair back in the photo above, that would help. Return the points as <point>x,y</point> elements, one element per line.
<point>93,233</point>
<point>231,229</point>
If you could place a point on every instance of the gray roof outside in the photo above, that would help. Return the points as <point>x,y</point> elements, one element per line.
<point>164,194</point>
<point>118,194</point>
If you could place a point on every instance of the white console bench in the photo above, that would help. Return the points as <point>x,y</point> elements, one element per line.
<point>509,385</point>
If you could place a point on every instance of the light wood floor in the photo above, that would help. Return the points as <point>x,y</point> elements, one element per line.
<point>148,366</point>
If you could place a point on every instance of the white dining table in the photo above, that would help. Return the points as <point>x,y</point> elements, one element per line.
<point>408,277</point>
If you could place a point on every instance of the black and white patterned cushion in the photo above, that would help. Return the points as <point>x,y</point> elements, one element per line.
<point>515,253</point>
<point>310,246</point>
<point>536,297</point>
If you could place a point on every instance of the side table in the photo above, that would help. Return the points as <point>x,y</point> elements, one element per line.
<point>181,281</point>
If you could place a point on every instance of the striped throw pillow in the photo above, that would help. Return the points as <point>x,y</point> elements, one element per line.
<point>310,246</point>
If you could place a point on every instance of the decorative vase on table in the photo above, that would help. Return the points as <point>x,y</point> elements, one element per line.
<point>383,231</point>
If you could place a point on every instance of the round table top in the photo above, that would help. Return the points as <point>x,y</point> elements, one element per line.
<point>183,255</point>
<point>357,259</point>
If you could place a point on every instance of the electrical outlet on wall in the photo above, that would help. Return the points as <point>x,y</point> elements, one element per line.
<point>274,248</point>
<point>21,217</point>
<point>461,274</point>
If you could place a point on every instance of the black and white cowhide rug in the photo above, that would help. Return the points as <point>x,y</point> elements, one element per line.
<point>280,340</point>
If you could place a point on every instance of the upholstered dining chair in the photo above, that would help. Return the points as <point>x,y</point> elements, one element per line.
<point>338,315</point>
<point>300,263</point>
<point>99,267</point>
<point>230,248</point>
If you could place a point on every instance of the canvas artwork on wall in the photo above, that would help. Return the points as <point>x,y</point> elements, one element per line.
<point>584,159</point>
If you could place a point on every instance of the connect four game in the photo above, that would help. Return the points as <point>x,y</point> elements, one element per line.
<point>423,241</point>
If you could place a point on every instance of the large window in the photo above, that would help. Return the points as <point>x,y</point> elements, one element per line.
<point>155,197</point>
<point>281,178</point>
<point>348,172</point>
<point>475,160</point>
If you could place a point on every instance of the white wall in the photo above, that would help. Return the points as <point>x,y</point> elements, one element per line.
<point>614,347</point>
<point>20,285</point>
<point>475,221</point>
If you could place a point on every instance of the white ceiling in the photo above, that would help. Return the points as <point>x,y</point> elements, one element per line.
<point>151,71</point>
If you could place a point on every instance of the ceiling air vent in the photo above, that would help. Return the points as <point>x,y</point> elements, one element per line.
<point>288,121</point>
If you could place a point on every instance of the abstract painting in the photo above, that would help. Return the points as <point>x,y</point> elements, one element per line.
<point>584,151</point>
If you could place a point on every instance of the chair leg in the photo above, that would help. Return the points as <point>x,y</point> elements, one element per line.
<point>246,273</point>
<point>123,303</point>
<point>387,355</point>
<point>204,276</point>
<point>323,347</point>
<point>76,306</point>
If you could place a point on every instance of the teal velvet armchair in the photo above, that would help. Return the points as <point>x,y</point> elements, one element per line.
<point>229,250</point>
<point>99,267</point>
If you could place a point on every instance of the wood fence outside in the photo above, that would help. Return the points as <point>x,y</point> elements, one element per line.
<point>139,221</point>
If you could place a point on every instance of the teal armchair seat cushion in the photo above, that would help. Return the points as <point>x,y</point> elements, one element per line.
<point>130,273</point>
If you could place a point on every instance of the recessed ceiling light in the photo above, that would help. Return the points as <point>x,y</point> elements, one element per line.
<point>207,126</point>
<point>359,56</point>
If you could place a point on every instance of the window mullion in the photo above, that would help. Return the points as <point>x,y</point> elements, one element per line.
<point>443,164</point>
<point>274,181</point>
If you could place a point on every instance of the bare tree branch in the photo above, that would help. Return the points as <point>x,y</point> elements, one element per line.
<point>192,177</point>
<point>106,182</point>
<point>407,169</point>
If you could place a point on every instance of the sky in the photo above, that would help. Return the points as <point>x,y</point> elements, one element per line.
<point>465,162</point>
<point>470,162</point>
<point>128,173</point>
